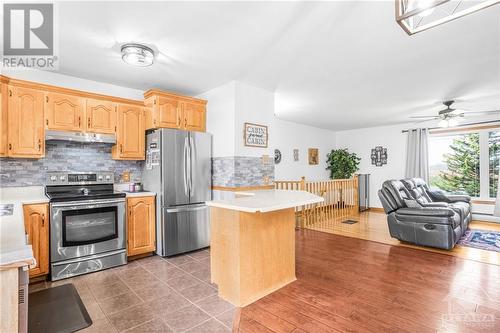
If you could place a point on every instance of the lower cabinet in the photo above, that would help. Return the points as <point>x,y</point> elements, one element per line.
<point>36,224</point>
<point>141,224</point>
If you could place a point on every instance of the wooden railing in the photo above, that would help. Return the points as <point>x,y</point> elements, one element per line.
<point>341,199</point>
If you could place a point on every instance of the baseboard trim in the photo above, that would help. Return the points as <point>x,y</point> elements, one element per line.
<point>376,209</point>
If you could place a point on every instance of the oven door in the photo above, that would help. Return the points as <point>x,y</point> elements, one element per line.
<point>82,228</point>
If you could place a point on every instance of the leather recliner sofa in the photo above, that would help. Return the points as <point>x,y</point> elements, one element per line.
<point>420,216</point>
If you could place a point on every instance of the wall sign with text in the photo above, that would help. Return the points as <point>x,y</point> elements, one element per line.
<point>255,135</point>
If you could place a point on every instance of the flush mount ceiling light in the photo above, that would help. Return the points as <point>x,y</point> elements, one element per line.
<point>137,55</point>
<point>419,15</point>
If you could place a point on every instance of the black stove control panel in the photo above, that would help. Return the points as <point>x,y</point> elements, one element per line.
<point>78,178</point>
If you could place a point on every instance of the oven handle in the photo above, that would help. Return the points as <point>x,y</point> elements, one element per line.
<point>89,203</point>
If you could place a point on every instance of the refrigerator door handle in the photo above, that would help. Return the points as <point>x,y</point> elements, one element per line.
<point>192,166</point>
<point>186,188</point>
<point>187,209</point>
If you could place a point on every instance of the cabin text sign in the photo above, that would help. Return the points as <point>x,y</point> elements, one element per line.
<point>255,135</point>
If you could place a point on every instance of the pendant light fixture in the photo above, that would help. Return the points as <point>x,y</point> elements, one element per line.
<point>418,15</point>
<point>137,54</point>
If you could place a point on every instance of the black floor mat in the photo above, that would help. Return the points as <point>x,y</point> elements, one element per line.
<point>57,310</point>
<point>349,222</point>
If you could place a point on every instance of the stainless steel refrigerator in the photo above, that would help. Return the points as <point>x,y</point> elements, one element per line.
<point>179,169</point>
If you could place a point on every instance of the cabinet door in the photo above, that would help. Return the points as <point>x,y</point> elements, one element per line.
<point>36,225</point>
<point>3,118</point>
<point>64,112</point>
<point>167,112</point>
<point>130,133</point>
<point>101,116</point>
<point>194,116</point>
<point>26,135</point>
<point>140,225</point>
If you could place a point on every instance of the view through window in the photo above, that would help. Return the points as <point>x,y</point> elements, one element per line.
<point>494,158</point>
<point>456,163</point>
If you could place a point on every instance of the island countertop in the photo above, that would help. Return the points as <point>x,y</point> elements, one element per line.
<point>266,200</point>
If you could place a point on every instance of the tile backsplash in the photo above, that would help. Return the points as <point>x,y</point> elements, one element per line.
<point>231,171</point>
<point>237,171</point>
<point>64,156</point>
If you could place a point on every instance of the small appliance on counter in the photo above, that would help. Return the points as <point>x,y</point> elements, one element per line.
<point>87,225</point>
<point>178,169</point>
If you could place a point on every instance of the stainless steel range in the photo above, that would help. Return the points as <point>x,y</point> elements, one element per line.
<point>87,225</point>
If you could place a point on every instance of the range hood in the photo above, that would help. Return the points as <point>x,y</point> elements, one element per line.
<point>79,137</point>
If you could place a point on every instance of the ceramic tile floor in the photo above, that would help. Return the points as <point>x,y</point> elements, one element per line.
<point>153,294</point>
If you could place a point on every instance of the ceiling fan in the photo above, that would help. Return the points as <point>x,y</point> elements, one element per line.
<point>450,117</point>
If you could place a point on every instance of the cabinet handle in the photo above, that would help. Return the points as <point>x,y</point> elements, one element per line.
<point>88,122</point>
<point>185,122</point>
<point>121,148</point>
<point>43,220</point>
<point>180,122</point>
<point>39,144</point>
<point>10,93</point>
<point>47,99</point>
<point>79,121</point>
<point>10,146</point>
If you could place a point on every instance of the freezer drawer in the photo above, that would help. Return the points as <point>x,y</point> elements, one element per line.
<point>185,228</point>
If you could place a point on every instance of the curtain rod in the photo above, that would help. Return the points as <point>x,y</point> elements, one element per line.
<point>458,126</point>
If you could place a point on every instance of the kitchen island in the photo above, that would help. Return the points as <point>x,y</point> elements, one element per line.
<point>252,248</point>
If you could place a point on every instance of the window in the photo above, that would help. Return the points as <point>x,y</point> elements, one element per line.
<point>494,159</point>
<point>465,162</point>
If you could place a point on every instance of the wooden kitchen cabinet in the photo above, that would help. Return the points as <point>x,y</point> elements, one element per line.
<point>169,110</point>
<point>141,225</point>
<point>194,116</point>
<point>130,133</point>
<point>4,99</point>
<point>36,224</point>
<point>101,116</point>
<point>26,132</point>
<point>64,112</point>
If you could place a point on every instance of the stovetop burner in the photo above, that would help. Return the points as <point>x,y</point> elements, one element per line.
<point>74,186</point>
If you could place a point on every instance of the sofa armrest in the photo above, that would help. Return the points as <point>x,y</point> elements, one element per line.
<point>426,211</point>
<point>458,198</point>
<point>435,204</point>
<point>450,198</point>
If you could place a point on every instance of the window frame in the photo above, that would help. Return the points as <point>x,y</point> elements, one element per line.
<point>484,153</point>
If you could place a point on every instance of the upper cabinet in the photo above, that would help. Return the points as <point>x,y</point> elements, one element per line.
<point>168,110</point>
<point>130,133</point>
<point>26,135</point>
<point>64,112</point>
<point>194,116</point>
<point>4,99</point>
<point>101,116</point>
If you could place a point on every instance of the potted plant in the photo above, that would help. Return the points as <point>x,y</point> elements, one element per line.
<point>342,164</point>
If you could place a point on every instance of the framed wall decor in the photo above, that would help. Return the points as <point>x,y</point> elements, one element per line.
<point>255,135</point>
<point>313,156</point>
<point>277,156</point>
<point>379,156</point>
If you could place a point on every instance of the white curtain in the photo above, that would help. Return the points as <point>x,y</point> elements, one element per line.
<point>417,154</point>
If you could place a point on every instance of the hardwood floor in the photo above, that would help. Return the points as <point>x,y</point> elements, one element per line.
<point>373,226</point>
<point>346,284</point>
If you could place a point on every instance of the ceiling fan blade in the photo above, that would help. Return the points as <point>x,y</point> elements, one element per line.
<point>482,113</point>
<point>422,117</point>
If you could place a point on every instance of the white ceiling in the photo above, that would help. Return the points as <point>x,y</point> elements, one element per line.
<point>336,65</point>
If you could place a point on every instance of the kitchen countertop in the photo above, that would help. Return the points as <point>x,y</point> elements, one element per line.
<point>13,247</point>
<point>124,188</point>
<point>139,194</point>
<point>266,200</point>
